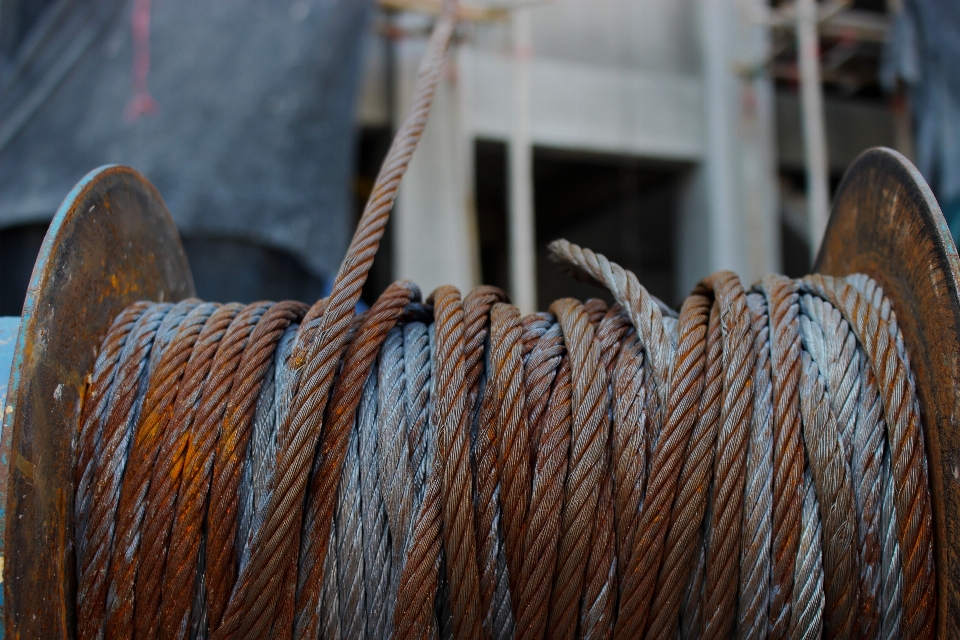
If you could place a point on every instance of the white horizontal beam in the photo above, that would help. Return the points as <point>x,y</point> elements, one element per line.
<point>587,107</point>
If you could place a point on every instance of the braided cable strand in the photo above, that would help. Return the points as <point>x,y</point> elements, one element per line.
<point>393,462</point>
<point>381,318</point>
<point>891,594</point>
<point>514,438</point>
<point>599,603</point>
<point>485,463</point>
<point>834,486</point>
<point>644,312</point>
<point>541,542</point>
<point>685,537</point>
<point>667,460</point>
<point>808,597</point>
<point>165,483</point>
<point>148,438</point>
<point>629,446</point>
<point>376,535</point>
<point>94,410</point>
<point>784,309</point>
<point>758,509</point>
<point>453,453</point>
<point>590,431</point>
<point>726,526</point>
<point>186,537</point>
<point>904,435</point>
<point>122,415</point>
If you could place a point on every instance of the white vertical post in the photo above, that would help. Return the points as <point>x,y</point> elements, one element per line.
<point>435,241</point>
<point>521,224</point>
<point>814,135</point>
<point>720,141</point>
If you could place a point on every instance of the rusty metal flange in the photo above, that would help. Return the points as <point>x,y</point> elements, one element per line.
<point>887,224</point>
<point>111,243</point>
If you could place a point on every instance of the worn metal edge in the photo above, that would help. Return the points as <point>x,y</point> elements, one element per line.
<point>887,223</point>
<point>154,266</point>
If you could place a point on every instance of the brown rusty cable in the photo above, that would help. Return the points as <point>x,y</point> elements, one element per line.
<point>784,311</point>
<point>94,412</point>
<point>158,405</point>
<point>725,528</point>
<point>186,537</point>
<point>488,465</point>
<point>587,446</point>
<point>683,536</point>
<point>231,450</point>
<point>167,471</point>
<point>597,613</point>
<point>542,536</point>
<point>110,464</point>
<point>581,474</point>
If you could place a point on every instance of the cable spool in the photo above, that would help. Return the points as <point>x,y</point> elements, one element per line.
<point>113,243</point>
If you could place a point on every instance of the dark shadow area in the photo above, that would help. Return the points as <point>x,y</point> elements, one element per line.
<point>372,146</point>
<point>19,247</point>
<point>228,270</point>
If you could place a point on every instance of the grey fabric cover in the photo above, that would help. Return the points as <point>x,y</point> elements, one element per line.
<point>254,136</point>
<point>924,53</point>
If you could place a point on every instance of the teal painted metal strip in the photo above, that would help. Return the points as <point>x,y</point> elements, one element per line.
<point>9,328</point>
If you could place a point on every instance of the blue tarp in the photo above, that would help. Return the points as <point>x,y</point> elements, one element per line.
<point>923,53</point>
<point>254,136</point>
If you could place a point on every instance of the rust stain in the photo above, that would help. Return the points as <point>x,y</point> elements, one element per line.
<point>25,466</point>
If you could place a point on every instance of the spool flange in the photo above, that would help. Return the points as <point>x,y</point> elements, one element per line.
<point>111,243</point>
<point>887,224</point>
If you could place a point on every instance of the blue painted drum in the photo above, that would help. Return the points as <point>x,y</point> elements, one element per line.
<point>9,328</point>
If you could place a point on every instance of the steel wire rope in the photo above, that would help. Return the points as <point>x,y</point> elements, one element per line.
<point>568,468</point>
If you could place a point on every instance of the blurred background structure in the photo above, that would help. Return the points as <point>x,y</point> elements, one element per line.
<point>678,137</point>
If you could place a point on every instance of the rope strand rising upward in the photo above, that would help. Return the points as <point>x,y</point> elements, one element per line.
<point>452,468</point>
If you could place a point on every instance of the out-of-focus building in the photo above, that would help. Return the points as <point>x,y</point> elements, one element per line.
<point>665,134</point>
<point>241,114</point>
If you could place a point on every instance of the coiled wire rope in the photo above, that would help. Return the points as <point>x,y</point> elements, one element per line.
<point>752,465</point>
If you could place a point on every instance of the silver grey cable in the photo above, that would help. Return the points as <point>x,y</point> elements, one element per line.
<point>891,589</point>
<point>418,382</point>
<point>835,352</point>
<point>869,448</point>
<point>376,536</point>
<point>807,621</point>
<point>891,599</point>
<point>272,408</point>
<point>393,461</point>
<point>758,490</point>
<point>351,580</point>
<point>330,591</point>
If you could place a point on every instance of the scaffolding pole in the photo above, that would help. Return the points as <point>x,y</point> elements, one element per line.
<point>814,134</point>
<point>522,238</point>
